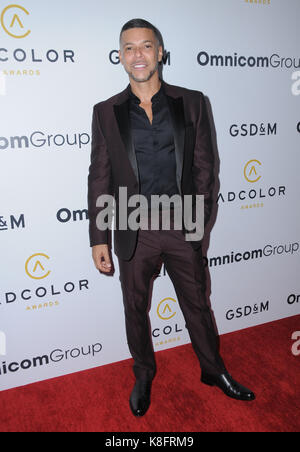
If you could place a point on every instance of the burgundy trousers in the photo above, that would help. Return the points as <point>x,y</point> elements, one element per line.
<point>185,268</point>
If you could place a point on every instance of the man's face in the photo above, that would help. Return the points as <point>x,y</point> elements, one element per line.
<point>140,53</point>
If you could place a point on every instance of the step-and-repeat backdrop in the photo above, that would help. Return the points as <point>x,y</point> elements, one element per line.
<point>58,314</point>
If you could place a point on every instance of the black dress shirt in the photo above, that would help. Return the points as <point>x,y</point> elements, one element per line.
<point>154,146</point>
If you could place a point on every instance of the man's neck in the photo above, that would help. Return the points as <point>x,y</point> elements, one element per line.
<point>146,90</point>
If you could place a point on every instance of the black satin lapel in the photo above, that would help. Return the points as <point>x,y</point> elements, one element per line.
<point>178,121</point>
<point>122,116</point>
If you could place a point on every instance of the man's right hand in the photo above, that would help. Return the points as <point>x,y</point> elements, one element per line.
<point>101,258</point>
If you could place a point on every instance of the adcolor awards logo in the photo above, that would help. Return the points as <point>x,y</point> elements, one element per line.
<point>254,197</point>
<point>13,20</point>
<point>165,309</point>
<point>166,334</point>
<point>36,266</point>
<point>44,291</point>
<point>17,23</point>
<point>258,2</point>
<point>251,171</point>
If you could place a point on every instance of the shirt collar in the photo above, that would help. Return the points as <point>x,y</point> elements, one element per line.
<point>155,99</point>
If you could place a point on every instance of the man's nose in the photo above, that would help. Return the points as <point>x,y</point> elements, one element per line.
<point>138,52</point>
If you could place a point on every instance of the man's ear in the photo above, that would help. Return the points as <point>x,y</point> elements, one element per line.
<point>160,54</point>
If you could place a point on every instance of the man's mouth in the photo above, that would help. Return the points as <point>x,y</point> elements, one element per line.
<point>139,66</point>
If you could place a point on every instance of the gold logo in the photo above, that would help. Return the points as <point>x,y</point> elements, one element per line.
<point>259,2</point>
<point>165,309</point>
<point>36,266</point>
<point>12,21</point>
<point>251,171</point>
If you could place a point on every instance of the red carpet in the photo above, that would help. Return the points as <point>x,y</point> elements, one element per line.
<point>97,400</point>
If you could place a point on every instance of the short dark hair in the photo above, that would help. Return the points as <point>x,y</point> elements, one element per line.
<point>142,23</point>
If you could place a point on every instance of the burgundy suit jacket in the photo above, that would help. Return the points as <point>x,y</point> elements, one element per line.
<point>114,164</point>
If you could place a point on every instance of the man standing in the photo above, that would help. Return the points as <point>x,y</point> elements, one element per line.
<point>154,139</point>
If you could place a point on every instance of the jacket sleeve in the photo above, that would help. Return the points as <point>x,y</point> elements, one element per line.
<point>99,182</point>
<point>203,164</point>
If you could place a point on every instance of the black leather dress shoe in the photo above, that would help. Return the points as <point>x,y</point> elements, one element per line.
<point>140,397</point>
<point>229,386</point>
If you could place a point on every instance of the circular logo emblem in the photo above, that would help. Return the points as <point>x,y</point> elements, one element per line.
<point>12,21</point>
<point>36,266</point>
<point>251,171</point>
<point>166,309</point>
